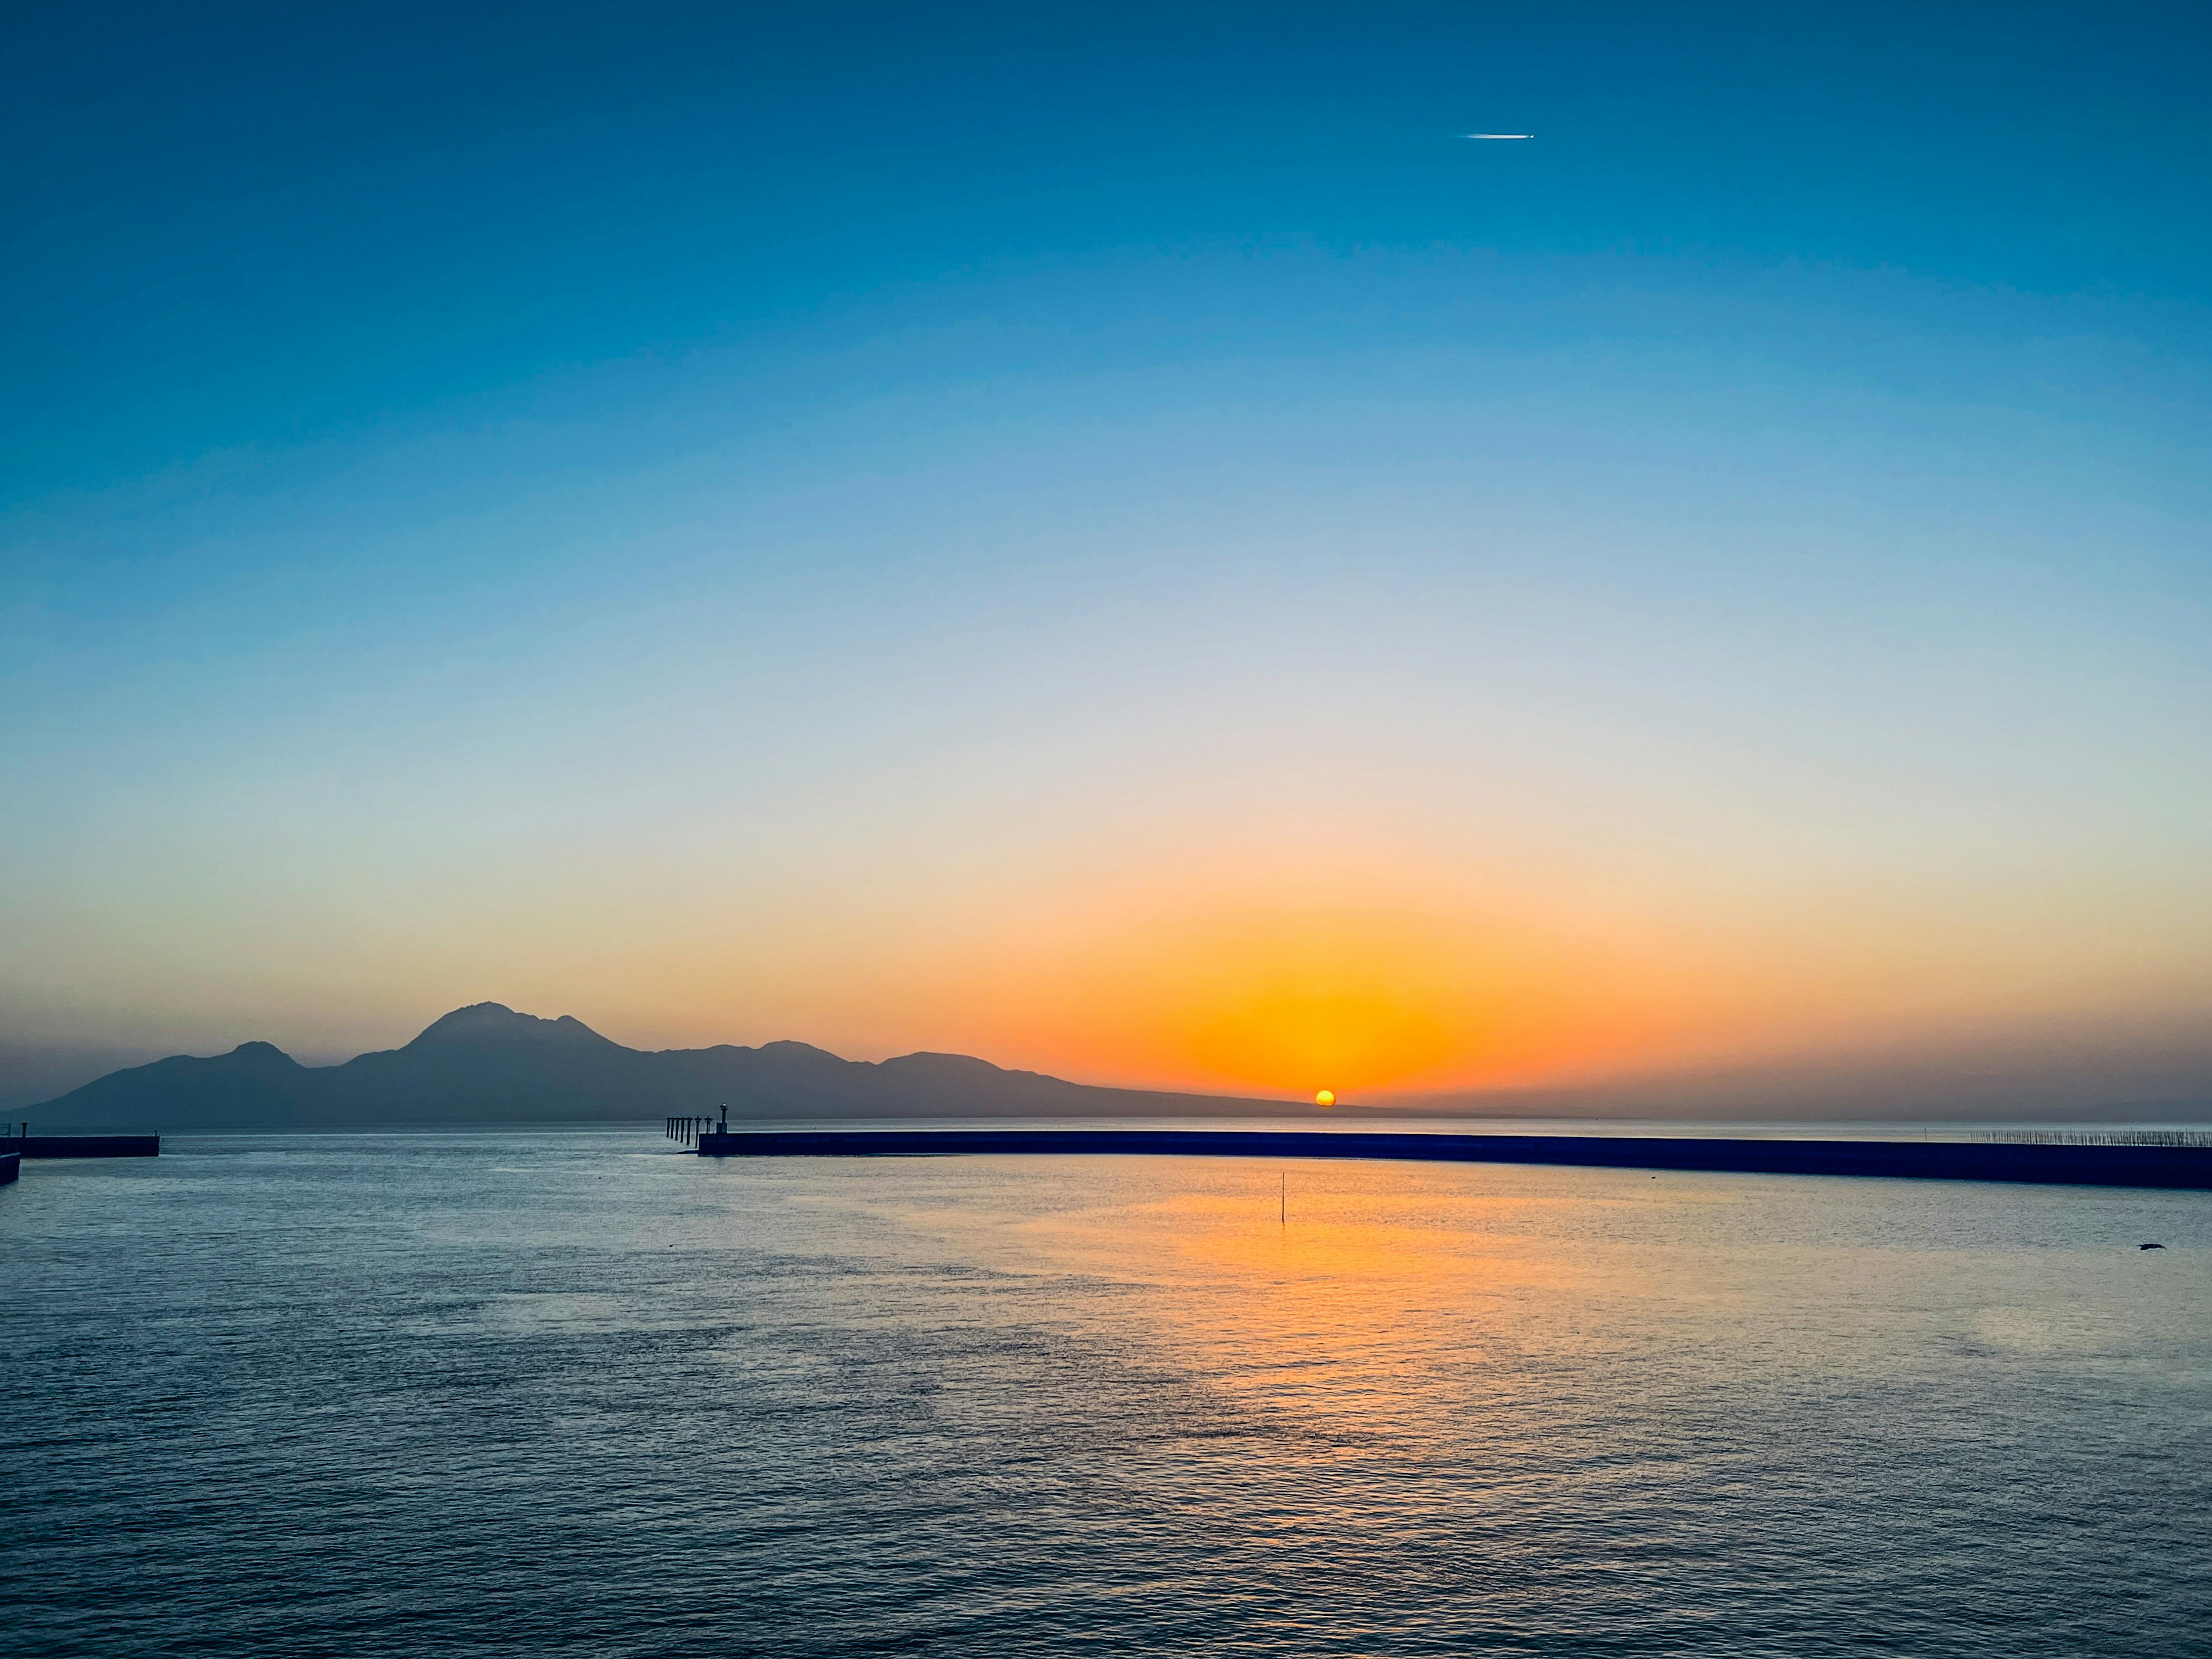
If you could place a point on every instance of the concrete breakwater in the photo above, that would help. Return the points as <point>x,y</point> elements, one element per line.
<point>11,1165</point>
<point>81,1145</point>
<point>2188,1167</point>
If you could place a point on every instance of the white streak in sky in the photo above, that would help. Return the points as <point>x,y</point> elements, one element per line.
<point>1497,135</point>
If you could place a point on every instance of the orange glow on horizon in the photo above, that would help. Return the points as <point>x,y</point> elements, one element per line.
<point>1264,980</point>
<point>1261,970</point>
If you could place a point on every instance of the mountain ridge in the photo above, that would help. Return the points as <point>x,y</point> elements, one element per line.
<point>487,1064</point>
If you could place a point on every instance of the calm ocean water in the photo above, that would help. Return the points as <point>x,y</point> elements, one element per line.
<point>579,1394</point>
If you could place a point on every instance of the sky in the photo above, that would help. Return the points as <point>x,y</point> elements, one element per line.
<point>1115,539</point>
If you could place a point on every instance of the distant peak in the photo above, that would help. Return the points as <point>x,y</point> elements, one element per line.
<point>927,1057</point>
<point>262,1053</point>
<point>495,1021</point>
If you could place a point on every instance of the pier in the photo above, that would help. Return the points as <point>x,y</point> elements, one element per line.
<point>2095,1165</point>
<point>30,1145</point>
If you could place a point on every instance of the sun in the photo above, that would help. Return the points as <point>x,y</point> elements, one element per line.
<point>1326,1097</point>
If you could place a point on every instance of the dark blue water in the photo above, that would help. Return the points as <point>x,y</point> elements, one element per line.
<point>577,1394</point>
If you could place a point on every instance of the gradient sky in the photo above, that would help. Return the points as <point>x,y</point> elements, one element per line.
<point>1113,539</point>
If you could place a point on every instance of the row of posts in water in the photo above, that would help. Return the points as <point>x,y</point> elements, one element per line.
<point>689,1129</point>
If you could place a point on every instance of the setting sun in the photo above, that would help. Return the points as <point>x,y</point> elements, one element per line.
<point>1326,1097</point>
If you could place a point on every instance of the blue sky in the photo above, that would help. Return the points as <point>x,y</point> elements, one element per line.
<point>780,509</point>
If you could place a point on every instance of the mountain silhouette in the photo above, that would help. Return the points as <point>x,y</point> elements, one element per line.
<point>488,1064</point>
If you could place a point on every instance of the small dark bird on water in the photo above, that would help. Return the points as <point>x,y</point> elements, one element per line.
<point>2150,1247</point>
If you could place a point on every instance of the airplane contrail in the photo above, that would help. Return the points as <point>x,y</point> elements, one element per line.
<point>1497,135</point>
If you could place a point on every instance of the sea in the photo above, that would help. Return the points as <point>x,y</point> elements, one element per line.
<point>579,1392</point>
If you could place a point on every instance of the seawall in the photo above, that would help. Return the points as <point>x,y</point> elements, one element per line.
<point>83,1146</point>
<point>2186,1167</point>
